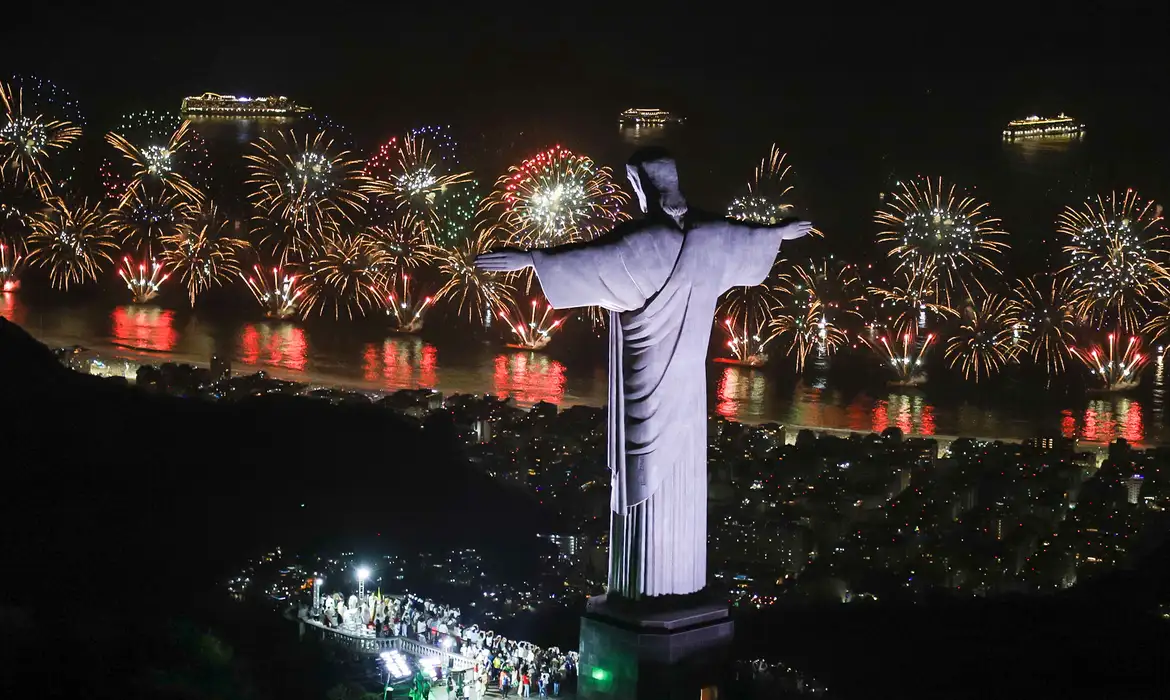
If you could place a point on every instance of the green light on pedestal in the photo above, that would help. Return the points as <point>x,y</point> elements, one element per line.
<point>599,674</point>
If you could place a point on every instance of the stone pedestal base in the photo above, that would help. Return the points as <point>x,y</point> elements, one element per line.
<point>680,653</point>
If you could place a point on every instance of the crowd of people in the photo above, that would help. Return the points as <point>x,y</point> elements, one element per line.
<point>512,666</point>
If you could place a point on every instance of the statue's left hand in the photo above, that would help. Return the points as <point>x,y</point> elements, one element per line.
<point>796,229</point>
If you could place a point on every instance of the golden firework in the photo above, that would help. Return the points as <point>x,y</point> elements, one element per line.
<point>343,272</point>
<point>28,142</point>
<point>157,167</point>
<point>1116,258</point>
<point>144,220</point>
<point>205,252</point>
<point>310,184</point>
<point>983,343</point>
<point>942,231</point>
<point>474,291</point>
<point>71,240</point>
<point>1043,317</point>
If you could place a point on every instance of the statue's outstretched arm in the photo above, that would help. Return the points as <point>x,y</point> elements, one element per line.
<point>515,259</point>
<point>789,229</point>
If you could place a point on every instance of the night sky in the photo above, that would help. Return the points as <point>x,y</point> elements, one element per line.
<point>856,97</point>
<point>441,61</point>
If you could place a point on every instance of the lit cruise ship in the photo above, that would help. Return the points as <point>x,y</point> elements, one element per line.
<point>648,117</point>
<point>1040,127</point>
<point>211,103</point>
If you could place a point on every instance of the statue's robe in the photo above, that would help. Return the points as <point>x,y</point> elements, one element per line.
<point>660,284</point>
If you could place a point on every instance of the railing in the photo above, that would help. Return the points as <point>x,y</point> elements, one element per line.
<point>376,645</point>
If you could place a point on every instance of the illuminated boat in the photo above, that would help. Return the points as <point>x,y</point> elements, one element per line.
<point>648,117</point>
<point>1062,126</point>
<point>230,105</point>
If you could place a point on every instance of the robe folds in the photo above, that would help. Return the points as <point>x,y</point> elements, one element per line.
<point>660,284</point>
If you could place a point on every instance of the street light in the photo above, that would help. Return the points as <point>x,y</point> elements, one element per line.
<point>362,574</point>
<point>396,668</point>
<point>386,659</point>
<point>317,595</point>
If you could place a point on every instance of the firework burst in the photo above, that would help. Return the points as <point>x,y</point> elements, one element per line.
<point>940,230</point>
<point>1157,327</point>
<point>343,274</point>
<point>747,340</point>
<point>552,198</point>
<point>72,241</point>
<point>143,279</point>
<point>403,242</point>
<point>19,203</point>
<point>144,220</point>
<point>983,343</point>
<point>405,306</point>
<point>797,328</point>
<point>29,139</point>
<point>747,313</point>
<point>835,289</point>
<point>532,324</point>
<point>11,262</point>
<point>1043,314</point>
<point>414,175</point>
<point>905,356</point>
<point>1115,258</point>
<point>204,253</point>
<point>312,184</point>
<point>277,292</point>
<point>455,208</point>
<point>157,160</point>
<point>906,302</point>
<point>1118,366</point>
<point>767,198</point>
<point>474,291</point>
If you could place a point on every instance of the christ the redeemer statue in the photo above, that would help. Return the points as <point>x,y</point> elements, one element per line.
<point>660,278</point>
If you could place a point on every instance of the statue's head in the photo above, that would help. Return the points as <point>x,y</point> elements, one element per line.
<point>654,177</point>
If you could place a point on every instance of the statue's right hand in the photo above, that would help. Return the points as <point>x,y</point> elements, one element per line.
<point>504,260</point>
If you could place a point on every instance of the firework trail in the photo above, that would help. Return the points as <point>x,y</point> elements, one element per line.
<point>405,306</point>
<point>1114,368</point>
<point>905,357</point>
<point>277,292</point>
<point>143,279</point>
<point>11,262</point>
<point>532,324</point>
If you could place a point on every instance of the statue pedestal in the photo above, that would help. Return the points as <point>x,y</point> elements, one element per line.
<point>631,655</point>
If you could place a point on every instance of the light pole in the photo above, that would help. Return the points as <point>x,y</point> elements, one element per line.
<point>317,595</point>
<point>362,574</point>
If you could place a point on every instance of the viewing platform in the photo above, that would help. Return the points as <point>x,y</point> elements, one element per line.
<point>369,644</point>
